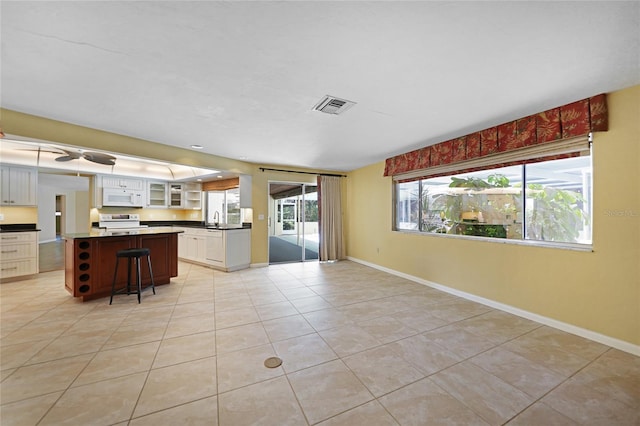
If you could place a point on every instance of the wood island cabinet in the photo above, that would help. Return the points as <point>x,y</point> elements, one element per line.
<point>90,261</point>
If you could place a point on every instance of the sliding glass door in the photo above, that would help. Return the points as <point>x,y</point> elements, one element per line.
<point>293,222</point>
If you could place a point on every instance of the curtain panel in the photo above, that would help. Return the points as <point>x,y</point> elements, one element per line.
<point>330,218</point>
<point>548,127</point>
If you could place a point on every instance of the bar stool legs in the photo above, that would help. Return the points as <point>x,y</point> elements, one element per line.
<point>131,255</point>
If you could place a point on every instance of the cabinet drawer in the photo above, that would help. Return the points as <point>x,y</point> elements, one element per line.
<point>17,251</point>
<point>16,237</point>
<point>17,268</point>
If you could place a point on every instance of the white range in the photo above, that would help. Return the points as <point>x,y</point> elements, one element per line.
<point>120,222</point>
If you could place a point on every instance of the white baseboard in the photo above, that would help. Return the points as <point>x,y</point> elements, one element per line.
<point>258,265</point>
<point>569,328</point>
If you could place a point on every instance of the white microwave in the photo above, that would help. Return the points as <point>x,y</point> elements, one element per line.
<point>122,197</point>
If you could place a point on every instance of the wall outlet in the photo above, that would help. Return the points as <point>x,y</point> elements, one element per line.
<point>1,216</point>
<point>260,217</point>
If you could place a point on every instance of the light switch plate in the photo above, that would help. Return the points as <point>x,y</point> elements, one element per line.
<point>1,216</point>
<point>260,217</point>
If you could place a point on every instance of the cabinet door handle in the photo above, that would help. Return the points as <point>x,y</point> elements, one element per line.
<point>9,269</point>
<point>9,238</point>
<point>9,251</point>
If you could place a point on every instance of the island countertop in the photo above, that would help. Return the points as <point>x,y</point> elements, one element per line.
<point>103,232</point>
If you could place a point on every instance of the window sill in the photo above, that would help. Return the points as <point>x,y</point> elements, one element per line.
<point>529,243</point>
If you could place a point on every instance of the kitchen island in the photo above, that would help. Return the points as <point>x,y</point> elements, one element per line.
<point>90,259</point>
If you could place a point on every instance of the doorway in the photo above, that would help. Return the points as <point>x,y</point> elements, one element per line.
<point>293,222</point>
<point>60,216</point>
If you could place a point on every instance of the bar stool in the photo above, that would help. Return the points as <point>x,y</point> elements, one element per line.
<point>130,255</point>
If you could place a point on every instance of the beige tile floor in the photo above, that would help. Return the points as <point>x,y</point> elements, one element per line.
<point>359,347</point>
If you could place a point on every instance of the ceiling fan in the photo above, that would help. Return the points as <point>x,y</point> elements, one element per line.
<point>67,155</point>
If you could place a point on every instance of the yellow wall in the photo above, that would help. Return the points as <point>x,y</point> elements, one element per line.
<point>19,215</point>
<point>597,291</point>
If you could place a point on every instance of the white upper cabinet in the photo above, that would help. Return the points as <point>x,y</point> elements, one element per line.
<point>122,183</point>
<point>192,196</point>
<point>19,186</point>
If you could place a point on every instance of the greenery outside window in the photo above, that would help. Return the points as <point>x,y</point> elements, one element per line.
<point>545,201</point>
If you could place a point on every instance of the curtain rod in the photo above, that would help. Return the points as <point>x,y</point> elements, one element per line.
<point>306,173</point>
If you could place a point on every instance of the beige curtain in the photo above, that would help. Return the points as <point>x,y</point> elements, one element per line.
<point>330,212</point>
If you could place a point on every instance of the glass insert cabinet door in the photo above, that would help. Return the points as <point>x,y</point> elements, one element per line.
<point>175,195</point>
<point>157,194</point>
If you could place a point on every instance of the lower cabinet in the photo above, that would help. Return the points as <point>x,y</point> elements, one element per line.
<point>192,245</point>
<point>227,250</point>
<point>18,254</point>
<point>237,244</point>
<point>215,246</point>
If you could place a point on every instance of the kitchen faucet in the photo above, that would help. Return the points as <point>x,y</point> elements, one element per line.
<point>216,217</point>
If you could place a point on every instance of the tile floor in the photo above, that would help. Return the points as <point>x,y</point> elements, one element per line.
<point>359,347</point>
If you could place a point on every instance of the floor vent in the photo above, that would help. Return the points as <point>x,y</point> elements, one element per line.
<point>333,105</point>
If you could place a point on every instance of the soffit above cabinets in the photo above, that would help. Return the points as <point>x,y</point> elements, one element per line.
<point>43,155</point>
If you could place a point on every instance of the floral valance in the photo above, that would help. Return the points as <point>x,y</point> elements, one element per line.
<point>568,121</point>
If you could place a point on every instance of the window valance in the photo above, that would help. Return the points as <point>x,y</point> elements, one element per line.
<point>563,124</point>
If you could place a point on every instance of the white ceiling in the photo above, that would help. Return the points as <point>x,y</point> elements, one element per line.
<point>241,78</point>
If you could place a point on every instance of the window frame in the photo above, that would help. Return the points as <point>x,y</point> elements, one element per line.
<point>523,240</point>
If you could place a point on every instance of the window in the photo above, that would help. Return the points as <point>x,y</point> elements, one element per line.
<point>546,201</point>
<point>224,207</point>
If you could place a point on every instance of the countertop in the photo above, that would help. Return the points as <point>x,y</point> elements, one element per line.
<point>194,224</point>
<point>18,227</point>
<point>187,224</point>
<point>102,233</point>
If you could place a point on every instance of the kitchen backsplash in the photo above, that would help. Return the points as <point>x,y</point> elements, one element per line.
<point>19,215</point>
<point>150,214</point>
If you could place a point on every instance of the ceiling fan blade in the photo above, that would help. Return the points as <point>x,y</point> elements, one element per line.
<point>97,157</point>
<point>60,151</point>
<point>65,155</point>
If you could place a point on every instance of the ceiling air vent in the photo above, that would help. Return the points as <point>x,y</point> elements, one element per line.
<point>333,105</point>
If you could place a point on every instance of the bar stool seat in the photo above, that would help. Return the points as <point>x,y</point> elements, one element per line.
<point>131,255</point>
